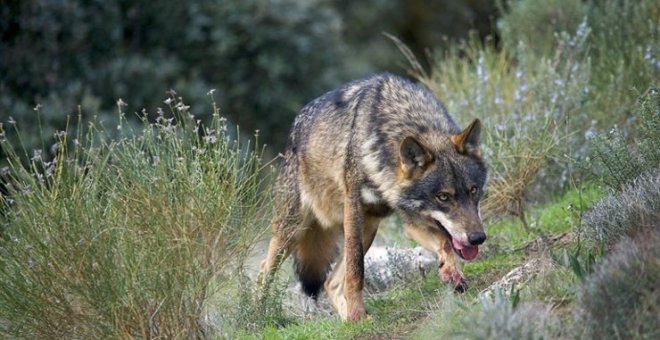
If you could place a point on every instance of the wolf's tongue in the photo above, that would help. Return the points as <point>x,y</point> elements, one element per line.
<point>468,253</point>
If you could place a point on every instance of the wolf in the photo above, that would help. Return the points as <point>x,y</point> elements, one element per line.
<point>374,147</point>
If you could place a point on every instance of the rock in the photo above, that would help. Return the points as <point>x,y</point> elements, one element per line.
<point>519,276</point>
<point>386,266</point>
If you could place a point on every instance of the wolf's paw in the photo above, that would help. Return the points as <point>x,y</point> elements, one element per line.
<point>461,287</point>
<point>358,314</point>
<point>455,277</point>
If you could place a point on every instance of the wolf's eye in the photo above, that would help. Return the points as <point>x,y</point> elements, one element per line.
<point>442,197</point>
<point>473,190</point>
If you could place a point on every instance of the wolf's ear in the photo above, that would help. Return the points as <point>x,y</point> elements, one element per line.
<point>468,140</point>
<point>415,157</point>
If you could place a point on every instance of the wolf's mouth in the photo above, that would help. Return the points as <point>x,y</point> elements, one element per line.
<point>467,253</point>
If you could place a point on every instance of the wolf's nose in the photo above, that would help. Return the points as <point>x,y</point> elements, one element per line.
<point>476,238</point>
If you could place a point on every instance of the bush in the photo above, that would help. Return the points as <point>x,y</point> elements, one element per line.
<point>625,51</point>
<point>265,58</point>
<point>621,298</point>
<point>624,44</point>
<point>536,25</point>
<point>127,237</point>
<point>635,210</point>
<point>618,161</point>
<point>496,317</point>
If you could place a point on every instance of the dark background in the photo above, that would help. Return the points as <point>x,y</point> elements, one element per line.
<point>264,58</point>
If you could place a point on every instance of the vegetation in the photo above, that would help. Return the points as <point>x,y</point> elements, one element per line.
<point>118,227</point>
<point>126,237</point>
<point>621,298</point>
<point>265,58</point>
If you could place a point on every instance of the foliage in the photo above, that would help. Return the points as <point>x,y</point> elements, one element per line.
<point>625,51</point>
<point>496,317</point>
<point>66,53</point>
<point>620,299</point>
<point>126,237</point>
<point>635,210</point>
<point>620,162</point>
<point>265,58</point>
<point>421,24</point>
<point>536,25</point>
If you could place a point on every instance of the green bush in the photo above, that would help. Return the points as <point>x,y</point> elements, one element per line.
<point>265,58</point>
<point>625,51</point>
<point>621,298</point>
<point>497,317</point>
<point>635,210</point>
<point>127,237</point>
<point>535,25</point>
<point>617,161</point>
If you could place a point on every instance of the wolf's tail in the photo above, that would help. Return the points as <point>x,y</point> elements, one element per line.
<point>313,258</point>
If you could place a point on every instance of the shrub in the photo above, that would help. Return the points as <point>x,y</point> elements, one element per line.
<point>621,298</point>
<point>495,317</point>
<point>625,51</point>
<point>536,25</point>
<point>265,58</point>
<point>635,210</point>
<point>618,161</point>
<point>127,237</point>
<point>624,44</point>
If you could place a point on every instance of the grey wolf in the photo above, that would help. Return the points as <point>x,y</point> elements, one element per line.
<point>355,155</point>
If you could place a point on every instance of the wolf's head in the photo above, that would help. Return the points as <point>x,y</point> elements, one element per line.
<point>442,180</point>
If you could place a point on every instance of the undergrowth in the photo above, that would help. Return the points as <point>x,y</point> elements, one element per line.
<point>126,236</point>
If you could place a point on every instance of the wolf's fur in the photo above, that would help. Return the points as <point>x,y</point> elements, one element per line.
<point>355,155</point>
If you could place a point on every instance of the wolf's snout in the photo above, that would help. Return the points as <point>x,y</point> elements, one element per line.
<point>476,238</point>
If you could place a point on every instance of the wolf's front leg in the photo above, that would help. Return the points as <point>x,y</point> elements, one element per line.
<point>436,241</point>
<point>335,285</point>
<point>344,287</point>
<point>353,256</point>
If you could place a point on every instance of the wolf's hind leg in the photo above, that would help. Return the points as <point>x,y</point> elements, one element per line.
<point>279,249</point>
<point>436,241</point>
<point>313,254</point>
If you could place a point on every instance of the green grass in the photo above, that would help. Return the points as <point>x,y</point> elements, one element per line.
<point>126,236</point>
<point>552,218</point>
<point>395,311</point>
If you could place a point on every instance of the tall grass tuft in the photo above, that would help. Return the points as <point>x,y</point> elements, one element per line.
<point>126,236</point>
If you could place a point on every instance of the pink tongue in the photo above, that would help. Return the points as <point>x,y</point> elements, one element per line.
<point>467,252</point>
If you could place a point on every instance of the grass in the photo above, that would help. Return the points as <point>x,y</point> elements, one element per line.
<point>392,312</point>
<point>126,236</point>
